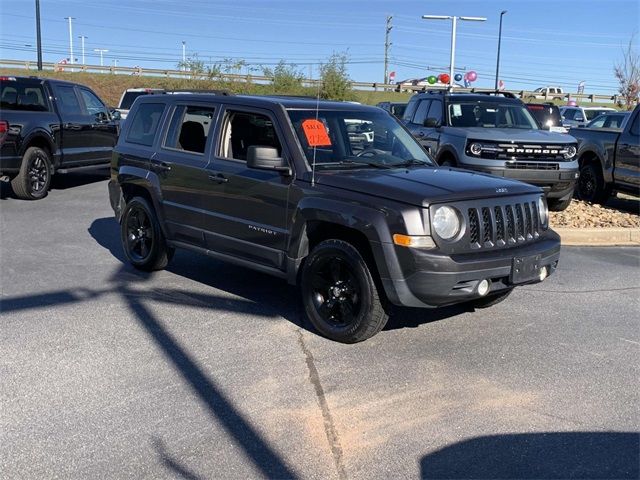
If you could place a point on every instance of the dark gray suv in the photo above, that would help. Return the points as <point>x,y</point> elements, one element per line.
<point>282,186</point>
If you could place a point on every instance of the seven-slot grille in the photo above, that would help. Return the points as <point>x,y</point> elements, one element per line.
<point>522,151</point>
<point>503,225</point>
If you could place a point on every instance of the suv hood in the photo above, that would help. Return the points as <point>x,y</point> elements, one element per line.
<point>512,135</point>
<point>424,185</point>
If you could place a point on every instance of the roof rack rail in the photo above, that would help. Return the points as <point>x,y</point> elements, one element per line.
<point>196,90</point>
<point>493,92</point>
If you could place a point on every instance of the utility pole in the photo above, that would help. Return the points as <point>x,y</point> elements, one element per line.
<point>38,38</point>
<point>101,51</point>
<point>82,37</point>
<point>70,39</point>
<point>387,45</point>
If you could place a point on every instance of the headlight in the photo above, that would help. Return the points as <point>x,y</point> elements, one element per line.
<point>446,222</point>
<point>570,152</point>
<point>543,211</point>
<point>475,148</point>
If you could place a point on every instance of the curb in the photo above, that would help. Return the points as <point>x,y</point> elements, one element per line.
<point>600,237</point>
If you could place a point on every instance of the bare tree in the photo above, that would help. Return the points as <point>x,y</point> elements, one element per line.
<point>628,74</point>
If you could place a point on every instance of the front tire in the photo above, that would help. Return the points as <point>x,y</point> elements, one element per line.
<point>591,185</point>
<point>34,179</point>
<point>142,238</point>
<point>557,205</point>
<point>339,294</point>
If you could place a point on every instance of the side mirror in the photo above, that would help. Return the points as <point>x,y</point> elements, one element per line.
<point>266,158</point>
<point>115,115</point>
<point>432,122</point>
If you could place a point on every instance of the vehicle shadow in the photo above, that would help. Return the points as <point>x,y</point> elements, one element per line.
<point>624,203</point>
<point>63,181</point>
<point>553,455</point>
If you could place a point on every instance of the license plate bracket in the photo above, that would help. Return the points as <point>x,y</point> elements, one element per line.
<point>525,269</point>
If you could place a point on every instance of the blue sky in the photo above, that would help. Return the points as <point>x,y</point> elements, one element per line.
<point>544,42</point>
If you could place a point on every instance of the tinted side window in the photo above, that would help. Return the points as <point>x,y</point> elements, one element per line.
<point>568,113</point>
<point>435,110</point>
<point>243,130</point>
<point>635,127</point>
<point>92,102</point>
<point>145,124</point>
<point>409,111</point>
<point>16,95</point>
<point>190,128</point>
<point>421,112</point>
<point>67,100</point>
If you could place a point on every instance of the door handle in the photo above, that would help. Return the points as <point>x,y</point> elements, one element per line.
<point>219,178</point>
<point>161,166</point>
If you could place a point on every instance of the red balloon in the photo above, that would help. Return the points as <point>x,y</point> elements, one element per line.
<point>444,78</point>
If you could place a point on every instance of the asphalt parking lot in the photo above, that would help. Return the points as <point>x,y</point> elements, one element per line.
<point>206,370</point>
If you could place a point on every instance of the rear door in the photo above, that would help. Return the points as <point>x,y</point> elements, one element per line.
<point>627,167</point>
<point>180,165</point>
<point>416,123</point>
<point>246,209</point>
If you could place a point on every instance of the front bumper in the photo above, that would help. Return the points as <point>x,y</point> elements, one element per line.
<point>439,280</point>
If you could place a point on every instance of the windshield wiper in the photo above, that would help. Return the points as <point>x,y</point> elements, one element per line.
<point>410,162</point>
<point>363,162</point>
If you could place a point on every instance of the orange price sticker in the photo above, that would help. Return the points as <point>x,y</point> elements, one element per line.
<point>316,133</point>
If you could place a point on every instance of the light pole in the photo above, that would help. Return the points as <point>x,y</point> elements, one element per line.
<point>184,56</point>
<point>499,41</point>
<point>82,37</point>
<point>70,39</point>
<point>38,38</point>
<point>454,23</point>
<point>101,51</point>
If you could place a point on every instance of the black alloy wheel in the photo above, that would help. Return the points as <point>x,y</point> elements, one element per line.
<point>339,294</point>
<point>34,178</point>
<point>139,239</point>
<point>38,174</point>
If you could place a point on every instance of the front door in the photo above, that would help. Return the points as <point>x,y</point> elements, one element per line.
<point>74,125</point>
<point>103,135</point>
<point>246,210</point>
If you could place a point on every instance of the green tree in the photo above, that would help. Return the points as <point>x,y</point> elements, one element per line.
<point>193,65</point>
<point>286,78</point>
<point>336,84</point>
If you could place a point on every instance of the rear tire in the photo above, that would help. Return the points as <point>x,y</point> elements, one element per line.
<point>34,179</point>
<point>556,205</point>
<point>142,239</point>
<point>591,185</point>
<point>491,300</point>
<point>339,293</point>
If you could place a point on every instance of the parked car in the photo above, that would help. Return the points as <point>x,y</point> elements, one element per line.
<point>547,93</point>
<point>394,108</point>
<point>609,120</point>
<point>51,126</point>
<point>576,116</point>
<point>548,116</point>
<point>609,160</point>
<point>279,186</point>
<point>496,134</point>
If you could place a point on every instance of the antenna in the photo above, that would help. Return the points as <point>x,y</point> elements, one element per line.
<point>313,163</point>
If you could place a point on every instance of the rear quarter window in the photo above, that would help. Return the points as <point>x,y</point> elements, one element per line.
<point>144,124</point>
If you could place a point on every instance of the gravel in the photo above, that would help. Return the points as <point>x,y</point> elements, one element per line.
<point>585,215</point>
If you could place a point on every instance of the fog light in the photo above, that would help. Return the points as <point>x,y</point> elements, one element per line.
<point>483,287</point>
<point>544,272</point>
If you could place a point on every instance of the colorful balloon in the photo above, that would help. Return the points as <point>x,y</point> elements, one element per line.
<point>472,76</point>
<point>432,79</point>
<point>571,103</point>
<point>444,78</point>
<point>457,77</point>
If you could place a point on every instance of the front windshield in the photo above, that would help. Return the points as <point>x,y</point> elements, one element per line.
<point>355,139</point>
<point>490,115</point>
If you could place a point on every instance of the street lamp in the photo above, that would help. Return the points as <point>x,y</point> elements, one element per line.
<point>101,51</point>
<point>499,41</point>
<point>454,22</point>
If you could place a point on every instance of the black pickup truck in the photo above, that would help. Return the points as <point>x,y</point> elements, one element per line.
<point>49,126</point>
<point>609,160</point>
<point>281,186</point>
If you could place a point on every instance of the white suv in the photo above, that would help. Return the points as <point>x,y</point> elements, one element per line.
<point>578,116</point>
